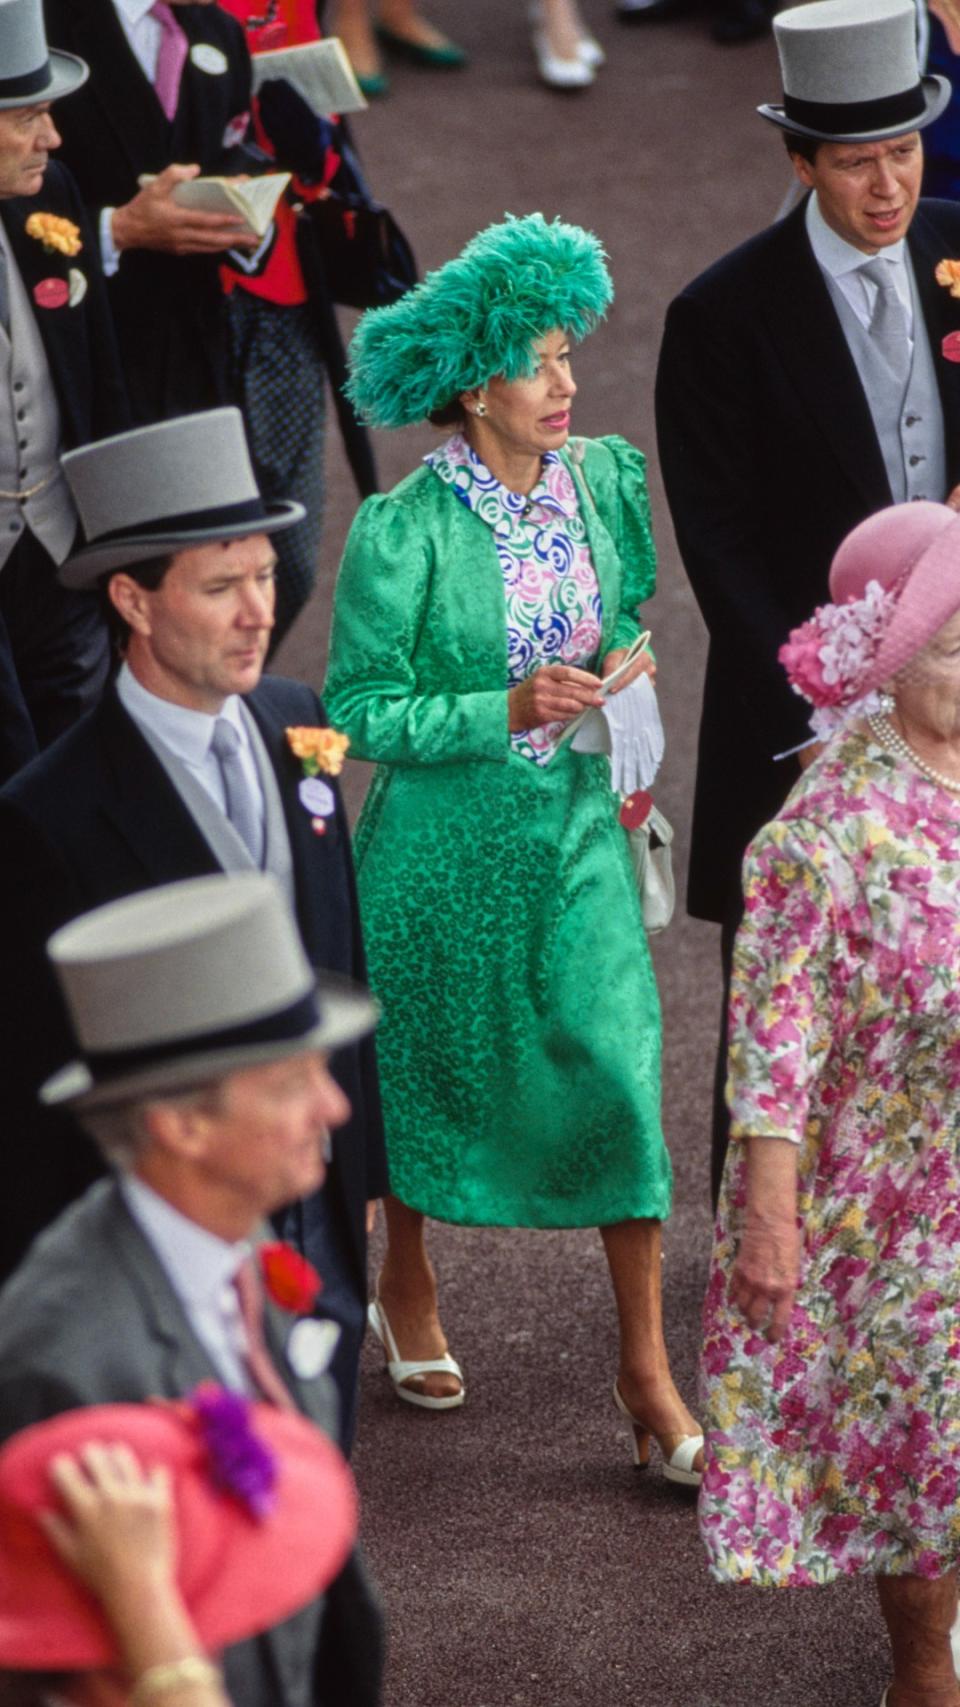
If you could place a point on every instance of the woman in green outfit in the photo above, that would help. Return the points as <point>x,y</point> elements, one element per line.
<point>479,605</point>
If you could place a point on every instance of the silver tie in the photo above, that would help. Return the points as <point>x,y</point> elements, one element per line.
<point>241,805</point>
<point>888,325</point>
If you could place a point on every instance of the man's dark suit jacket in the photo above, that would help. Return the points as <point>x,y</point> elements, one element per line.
<point>770,457</point>
<point>168,309</point>
<point>80,342</point>
<point>94,818</point>
<point>92,1319</point>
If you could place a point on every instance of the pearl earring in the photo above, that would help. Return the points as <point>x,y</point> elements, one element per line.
<point>885,704</point>
<point>480,409</point>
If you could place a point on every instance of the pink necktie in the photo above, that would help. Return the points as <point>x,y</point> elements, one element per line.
<point>260,1365</point>
<point>173,52</point>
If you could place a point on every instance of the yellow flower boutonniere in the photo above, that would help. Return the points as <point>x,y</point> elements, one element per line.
<point>56,234</point>
<point>948,274</point>
<point>320,750</point>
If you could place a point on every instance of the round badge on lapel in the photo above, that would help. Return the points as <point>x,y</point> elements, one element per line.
<point>208,58</point>
<point>77,286</point>
<point>950,348</point>
<point>316,797</point>
<point>51,293</point>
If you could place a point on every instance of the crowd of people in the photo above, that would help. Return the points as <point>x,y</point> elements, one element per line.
<point>228,1033</point>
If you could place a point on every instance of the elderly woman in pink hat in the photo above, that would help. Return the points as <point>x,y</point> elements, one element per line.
<point>832,1320</point>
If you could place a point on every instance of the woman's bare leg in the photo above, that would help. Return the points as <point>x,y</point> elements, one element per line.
<point>407,1289</point>
<point>647,1387</point>
<point>918,1614</point>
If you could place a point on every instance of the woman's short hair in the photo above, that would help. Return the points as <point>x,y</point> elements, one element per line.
<point>452,414</point>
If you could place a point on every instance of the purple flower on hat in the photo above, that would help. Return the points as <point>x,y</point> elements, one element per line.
<point>240,1463</point>
<point>827,657</point>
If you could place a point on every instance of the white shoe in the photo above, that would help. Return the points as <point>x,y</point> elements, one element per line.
<point>560,73</point>
<point>401,1370</point>
<point>588,48</point>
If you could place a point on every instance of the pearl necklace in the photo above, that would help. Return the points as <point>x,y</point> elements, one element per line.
<point>885,733</point>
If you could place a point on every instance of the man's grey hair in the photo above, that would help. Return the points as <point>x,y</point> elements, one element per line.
<point>121,1131</point>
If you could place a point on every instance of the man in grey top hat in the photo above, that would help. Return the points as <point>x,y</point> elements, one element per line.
<point>805,380</point>
<point>60,385</point>
<point>184,768</point>
<point>203,1073</point>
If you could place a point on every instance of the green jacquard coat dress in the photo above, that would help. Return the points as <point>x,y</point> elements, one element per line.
<point>520,1044</point>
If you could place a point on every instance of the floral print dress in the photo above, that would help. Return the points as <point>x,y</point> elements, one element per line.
<point>838,1450</point>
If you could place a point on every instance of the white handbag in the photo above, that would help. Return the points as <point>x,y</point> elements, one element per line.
<point>651,852</point>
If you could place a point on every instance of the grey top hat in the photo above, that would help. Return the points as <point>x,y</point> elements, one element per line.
<point>156,489</point>
<point>186,983</point>
<point>30,72</point>
<point>850,72</point>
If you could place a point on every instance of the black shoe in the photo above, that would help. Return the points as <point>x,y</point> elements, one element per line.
<point>738,21</point>
<point>651,11</point>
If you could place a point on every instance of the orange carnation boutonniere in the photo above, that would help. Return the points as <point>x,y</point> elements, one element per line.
<point>57,235</point>
<point>947,273</point>
<point>288,1278</point>
<point>320,749</point>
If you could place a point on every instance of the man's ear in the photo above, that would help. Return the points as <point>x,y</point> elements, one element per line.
<point>803,170</point>
<point>178,1128</point>
<point>131,600</point>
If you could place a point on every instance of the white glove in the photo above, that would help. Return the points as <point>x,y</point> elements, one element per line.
<point>636,735</point>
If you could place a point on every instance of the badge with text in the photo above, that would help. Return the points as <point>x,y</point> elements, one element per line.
<point>208,58</point>
<point>51,293</point>
<point>316,797</point>
<point>950,348</point>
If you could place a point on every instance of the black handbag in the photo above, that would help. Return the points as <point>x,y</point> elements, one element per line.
<point>348,235</point>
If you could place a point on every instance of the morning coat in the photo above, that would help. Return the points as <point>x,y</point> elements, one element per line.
<point>94,818</point>
<point>92,1319</point>
<point>78,334</point>
<point>769,457</point>
<point>169,309</point>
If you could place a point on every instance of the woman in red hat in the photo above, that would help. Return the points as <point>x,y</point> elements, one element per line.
<point>136,1540</point>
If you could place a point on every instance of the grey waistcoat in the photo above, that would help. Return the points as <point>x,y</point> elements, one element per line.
<point>214,825</point>
<point>909,423</point>
<point>30,431</point>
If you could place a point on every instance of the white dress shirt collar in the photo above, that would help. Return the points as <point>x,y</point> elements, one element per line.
<point>187,733</point>
<point>835,255</point>
<point>198,1263</point>
<point>133,10</point>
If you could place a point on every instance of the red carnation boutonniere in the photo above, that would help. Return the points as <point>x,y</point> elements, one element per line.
<point>290,1280</point>
<point>318,750</point>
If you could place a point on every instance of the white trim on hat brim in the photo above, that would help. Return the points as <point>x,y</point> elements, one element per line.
<point>84,569</point>
<point>936,90</point>
<point>68,73</point>
<point>349,1013</point>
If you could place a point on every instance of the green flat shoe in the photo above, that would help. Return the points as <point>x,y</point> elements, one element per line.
<point>373,86</point>
<point>448,57</point>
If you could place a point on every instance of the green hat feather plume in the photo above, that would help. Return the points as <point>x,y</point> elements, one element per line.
<point>476,317</point>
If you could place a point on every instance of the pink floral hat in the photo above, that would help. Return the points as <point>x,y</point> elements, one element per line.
<point>895,581</point>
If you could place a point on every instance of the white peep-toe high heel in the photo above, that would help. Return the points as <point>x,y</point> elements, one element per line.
<point>401,1370</point>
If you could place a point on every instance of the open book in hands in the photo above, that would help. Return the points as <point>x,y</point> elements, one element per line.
<point>254,201</point>
<point>319,71</point>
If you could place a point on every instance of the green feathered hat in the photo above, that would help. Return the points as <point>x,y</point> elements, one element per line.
<point>476,317</point>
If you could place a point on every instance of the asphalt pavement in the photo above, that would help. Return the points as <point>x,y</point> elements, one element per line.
<point>521,1558</point>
